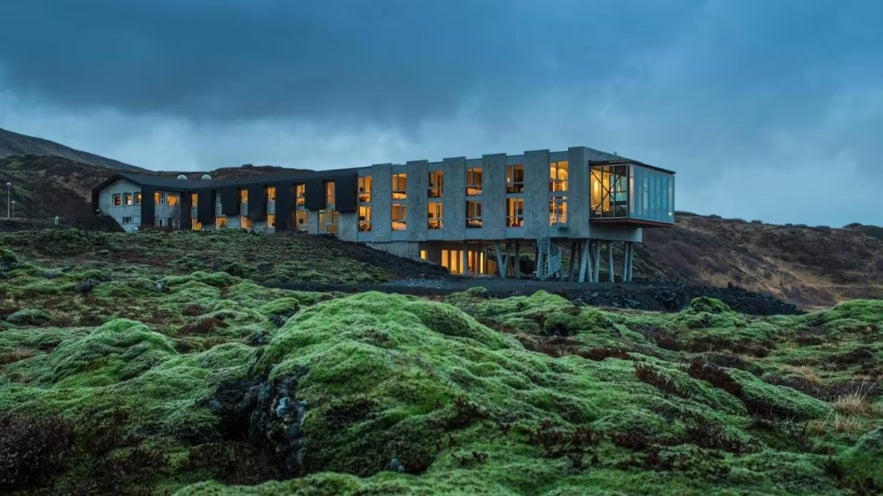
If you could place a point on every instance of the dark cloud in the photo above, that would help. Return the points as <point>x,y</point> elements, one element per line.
<point>723,91</point>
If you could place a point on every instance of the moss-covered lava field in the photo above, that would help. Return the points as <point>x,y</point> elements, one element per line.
<point>163,365</point>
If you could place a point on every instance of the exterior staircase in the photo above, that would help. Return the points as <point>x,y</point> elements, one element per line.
<point>549,261</point>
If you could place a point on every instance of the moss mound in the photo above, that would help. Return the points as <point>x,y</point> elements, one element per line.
<point>116,351</point>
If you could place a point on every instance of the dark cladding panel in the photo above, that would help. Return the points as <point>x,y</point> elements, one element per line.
<point>230,200</point>
<point>284,201</point>
<point>148,209</point>
<point>205,208</point>
<point>186,204</point>
<point>345,192</point>
<point>257,202</point>
<point>315,194</point>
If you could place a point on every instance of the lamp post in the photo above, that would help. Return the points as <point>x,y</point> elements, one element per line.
<point>8,197</point>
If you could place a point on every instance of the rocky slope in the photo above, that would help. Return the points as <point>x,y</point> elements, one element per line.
<point>19,144</point>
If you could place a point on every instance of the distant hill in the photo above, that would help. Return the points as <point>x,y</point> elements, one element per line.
<point>805,265</point>
<point>20,144</point>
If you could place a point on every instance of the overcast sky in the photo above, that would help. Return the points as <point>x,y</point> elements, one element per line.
<point>767,109</point>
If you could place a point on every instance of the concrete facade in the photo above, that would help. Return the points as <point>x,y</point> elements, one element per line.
<point>549,202</point>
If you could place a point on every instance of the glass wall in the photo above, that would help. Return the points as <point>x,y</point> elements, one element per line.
<point>654,195</point>
<point>632,191</point>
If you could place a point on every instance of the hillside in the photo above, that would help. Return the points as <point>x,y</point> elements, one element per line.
<point>128,377</point>
<point>808,266</point>
<point>19,144</point>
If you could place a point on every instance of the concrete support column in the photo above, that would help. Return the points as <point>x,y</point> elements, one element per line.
<point>610,269</point>
<point>501,259</point>
<point>517,259</point>
<point>583,259</point>
<point>596,256</point>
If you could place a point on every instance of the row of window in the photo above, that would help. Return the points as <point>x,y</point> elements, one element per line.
<point>125,199</point>
<point>558,182</point>
<point>474,218</point>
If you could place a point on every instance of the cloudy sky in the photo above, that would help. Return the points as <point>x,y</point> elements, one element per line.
<point>768,109</point>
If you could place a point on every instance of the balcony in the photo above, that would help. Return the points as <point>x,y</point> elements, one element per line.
<point>627,192</point>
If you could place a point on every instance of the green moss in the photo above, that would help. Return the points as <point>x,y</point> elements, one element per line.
<point>118,350</point>
<point>862,464</point>
<point>29,316</point>
<point>8,256</point>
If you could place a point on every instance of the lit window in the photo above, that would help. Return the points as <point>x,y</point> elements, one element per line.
<point>329,193</point>
<point>195,224</point>
<point>194,199</point>
<point>117,200</point>
<point>271,194</point>
<point>473,214</point>
<point>436,183</point>
<point>302,220</point>
<point>422,254</point>
<point>558,176</point>
<point>515,178</point>
<point>399,221</point>
<point>558,210</point>
<point>127,199</point>
<point>435,215</point>
<point>300,194</point>
<point>158,198</point>
<point>173,200</point>
<point>515,212</point>
<point>137,198</point>
<point>271,220</point>
<point>399,186</point>
<point>365,189</point>
<point>221,222</point>
<point>473,181</point>
<point>243,196</point>
<point>244,222</point>
<point>364,218</point>
<point>328,219</point>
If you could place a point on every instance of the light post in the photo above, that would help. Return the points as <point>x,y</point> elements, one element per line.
<point>8,197</point>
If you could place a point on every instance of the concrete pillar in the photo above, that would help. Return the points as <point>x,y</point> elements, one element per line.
<point>517,259</point>
<point>596,256</point>
<point>610,269</point>
<point>501,259</point>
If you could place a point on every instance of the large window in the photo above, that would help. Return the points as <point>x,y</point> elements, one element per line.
<point>159,198</point>
<point>329,217</point>
<point>173,199</point>
<point>515,178</point>
<point>558,176</point>
<point>220,222</point>
<point>365,184</point>
<point>473,181</point>
<point>271,194</point>
<point>436,184</point>
<point>399,219</point>
<point>654,197</point>
<point>558,210</point>
<point>609,191</point>
<point>364,218</point>
<point>473,214</point>
<point>301,220</point>
<point>243,196</point>
<point>117,200</point>
<point>194,200</point>
<point>435,215</point>
<point>300,195</point>
<point>399,186</point>
<point>271,220</point>
<point>515,212</point>
<point>127,199</point>
<point>137,198</point>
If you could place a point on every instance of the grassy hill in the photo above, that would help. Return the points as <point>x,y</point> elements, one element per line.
<point>124,376</point>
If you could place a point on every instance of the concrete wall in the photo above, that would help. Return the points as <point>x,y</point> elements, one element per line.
<point>381,202</point>
<point>494,196</point>
<point>399,248</point>
<point>536,194</point>
<point>105,203</point>
<point>418,183</point>
<point>454,198</point>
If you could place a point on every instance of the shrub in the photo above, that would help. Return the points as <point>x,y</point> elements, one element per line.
<point>32,450</point>
<point>29,316</point>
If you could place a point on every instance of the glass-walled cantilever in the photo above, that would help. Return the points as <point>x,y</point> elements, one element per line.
<point>630,192</point>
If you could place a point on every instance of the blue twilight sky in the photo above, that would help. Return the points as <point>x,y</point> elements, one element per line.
<point>768,109</point>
